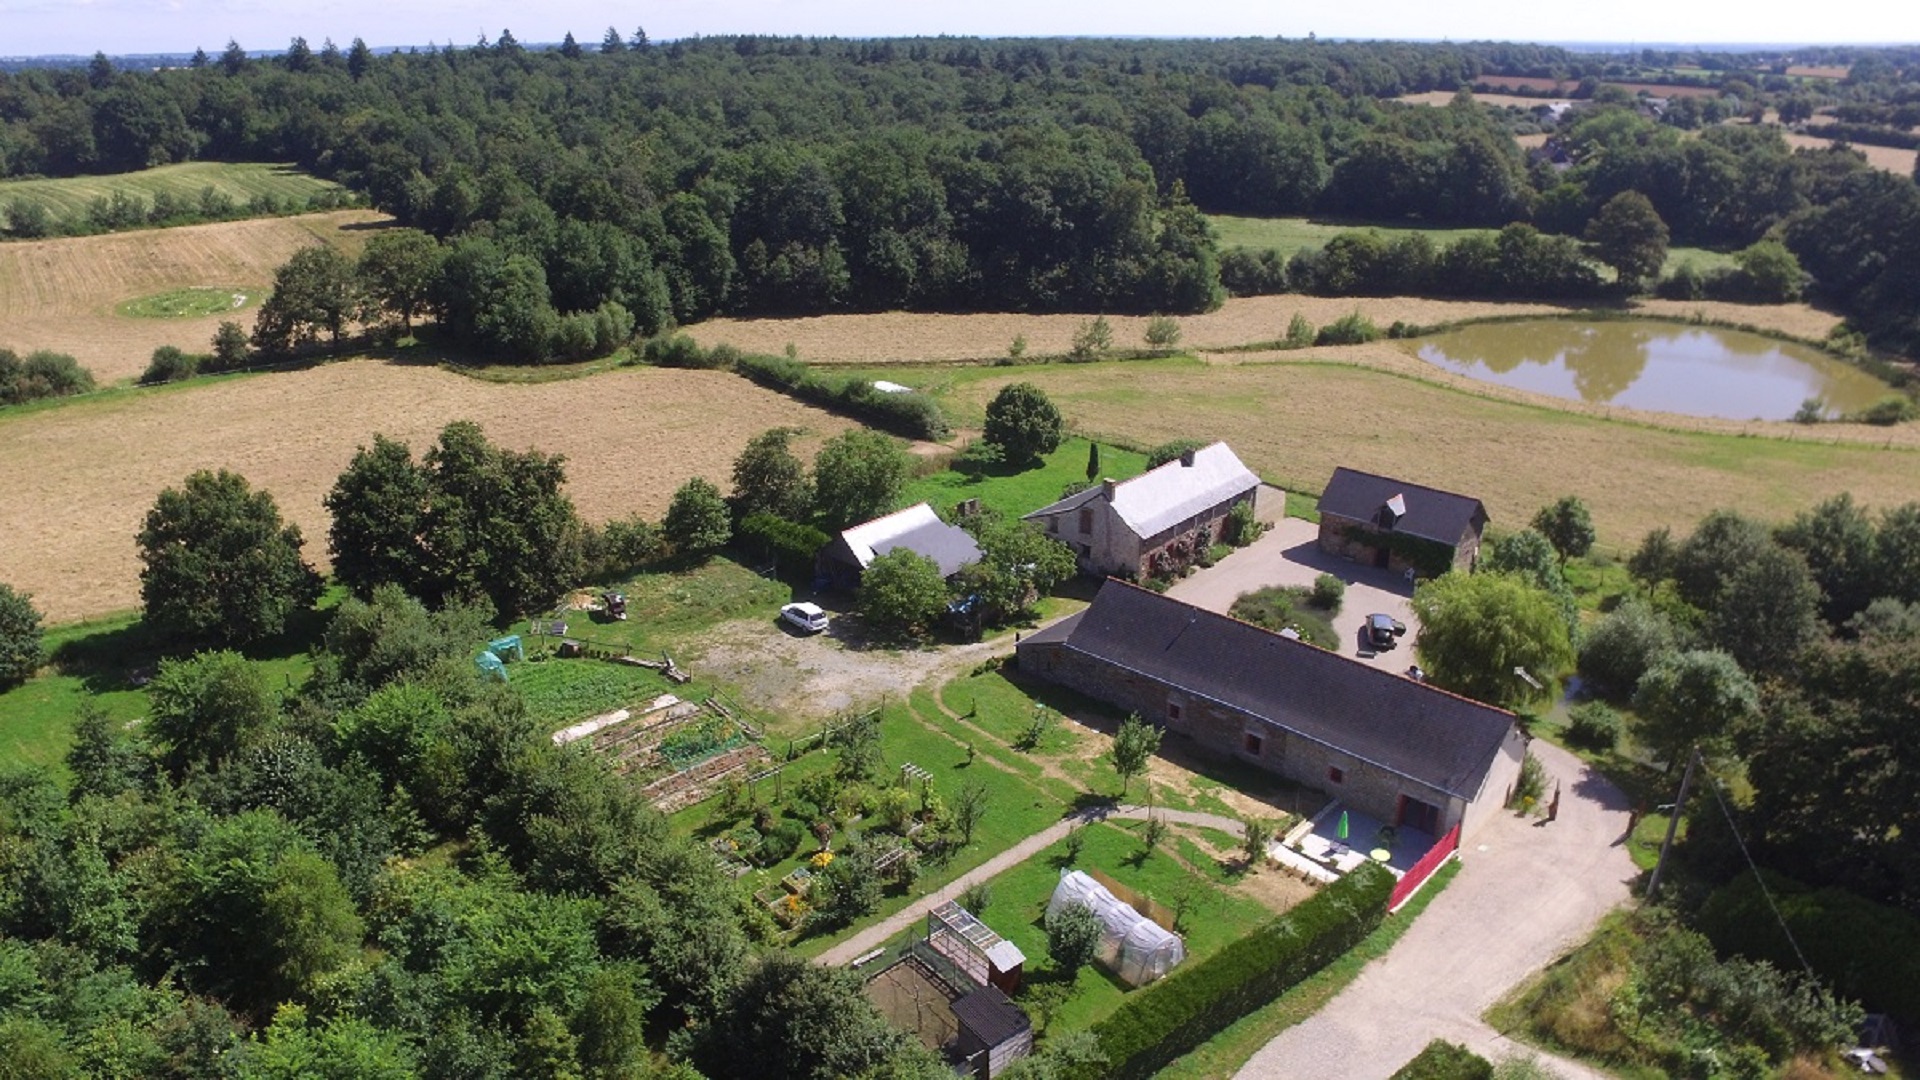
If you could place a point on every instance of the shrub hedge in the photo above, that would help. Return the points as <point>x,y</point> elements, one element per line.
<point>912,415</point>
<point>1442,1060</point>
<point>790,544</point>
<point>1153,1027</point>
<point>41,374</point>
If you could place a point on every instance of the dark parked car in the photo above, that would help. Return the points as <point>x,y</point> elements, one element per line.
<point>1383,631</point>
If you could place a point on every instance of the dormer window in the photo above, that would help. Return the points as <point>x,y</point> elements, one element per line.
<point>1392,511</point>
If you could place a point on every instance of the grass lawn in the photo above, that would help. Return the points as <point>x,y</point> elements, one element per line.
<point>67,198</point>
<point>1018,912</point>
<point>669,605</point>
<point>1225,1053</point>
<point>1014,494</point>
<point>99,660</point>
<point>1289,234</point>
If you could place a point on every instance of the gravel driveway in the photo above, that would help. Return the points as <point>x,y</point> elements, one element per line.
<point>1289,554</point>
<point>1526,893</point>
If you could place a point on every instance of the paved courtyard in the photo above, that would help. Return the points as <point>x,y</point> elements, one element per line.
<point>1289,554</point>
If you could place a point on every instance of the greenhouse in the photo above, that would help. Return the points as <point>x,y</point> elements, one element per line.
<point>1132,946</point>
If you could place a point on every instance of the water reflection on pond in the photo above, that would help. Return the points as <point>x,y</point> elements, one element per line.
<point>1695,370</point>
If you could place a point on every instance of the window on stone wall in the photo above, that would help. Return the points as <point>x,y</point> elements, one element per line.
<point>1336,775</point>
<point>1173,712</point>
<point>1253,743</point>
<point>1053,524</point>
<point>1086,519</point>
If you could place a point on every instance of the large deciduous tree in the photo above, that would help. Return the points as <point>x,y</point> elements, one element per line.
<point>398,271</point>
<point>497,524</point>
<point>378,505</point>
<point>812,1020</point>
<point>220,565</point>
<point>697,522</point>
<point>1839,542</point>
<point>1619,649</point>
<point>205,708</point>
<point>314,292</point>
<point>1023,423</point>
<point>1769,611</point>
<point>856,476</point>
<point>902,595</point>
<point>769,479</point>
<point>1688,699</point>
<point>1475,629</point>
<point>21,644</point>
<point>1628,235</point>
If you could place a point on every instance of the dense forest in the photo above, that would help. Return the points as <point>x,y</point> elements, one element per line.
<point>781,175</point>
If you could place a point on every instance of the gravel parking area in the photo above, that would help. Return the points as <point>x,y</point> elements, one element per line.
<point>1289,555</point>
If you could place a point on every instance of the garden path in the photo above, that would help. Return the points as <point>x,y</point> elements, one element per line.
<point>887,929</point>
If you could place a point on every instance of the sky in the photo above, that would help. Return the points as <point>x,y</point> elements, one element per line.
<point>47,27</point>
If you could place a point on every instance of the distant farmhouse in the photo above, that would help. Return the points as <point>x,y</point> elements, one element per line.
<point>917,528</point>
<point>1398,750</point>
<point>1120,529</point>
<point>1390,523</point>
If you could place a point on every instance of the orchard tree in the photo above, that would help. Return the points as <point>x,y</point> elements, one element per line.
<point>378,505</point>
<point>902,595</point>
<point>857,476</point>
<point>1073,936</point>
<point>220,565</point>
<point>1018,564</point>
<point>1567,526</point>
<point>1628,235</point>
<point>697,521</point>
<point>231,349</point>
<point>21,646</point>
<point>1133,746</point>
<point>769,479</point>
<point>1023,423</point>
<point>1475,629</point>
<point>1699,698</point>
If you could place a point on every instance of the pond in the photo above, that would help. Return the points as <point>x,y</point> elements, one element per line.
<point>1696,370</point>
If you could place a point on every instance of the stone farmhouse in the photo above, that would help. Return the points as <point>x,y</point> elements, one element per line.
<point>1400,751</point>
<point>917,528</point>
<point>1403,527</point>
<point>1153,522</point>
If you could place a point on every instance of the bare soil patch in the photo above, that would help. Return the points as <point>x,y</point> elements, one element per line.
<point>899,337</point>
<point>62,294</point>
<point>1891,158</point>
<point>81,477</point>
<point>1809,71</point>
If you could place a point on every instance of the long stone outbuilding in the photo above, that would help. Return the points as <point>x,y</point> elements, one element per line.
<point>1398,750</point>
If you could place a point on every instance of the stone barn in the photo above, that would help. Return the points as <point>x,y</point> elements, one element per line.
<point>1139,527</point>
<point>1400,751</point>
<point>1403,527</point>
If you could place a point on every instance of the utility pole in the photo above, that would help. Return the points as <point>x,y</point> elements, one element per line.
<point>1673,823</point>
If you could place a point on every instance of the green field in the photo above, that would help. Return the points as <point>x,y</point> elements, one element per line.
<point>67,198</point>
<point>1289,234</point>
<point>1014,494</point>
<point>191,303</point>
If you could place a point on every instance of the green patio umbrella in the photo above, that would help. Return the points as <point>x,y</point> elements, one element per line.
<point>1341,832</point>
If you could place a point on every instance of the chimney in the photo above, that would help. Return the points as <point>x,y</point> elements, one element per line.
<point>1107,487</point>
<point>1186,459</point>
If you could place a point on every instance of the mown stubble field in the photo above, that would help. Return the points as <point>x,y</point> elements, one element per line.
<point>81,476</point>
<point>61,294</point>
<point>900,337</point>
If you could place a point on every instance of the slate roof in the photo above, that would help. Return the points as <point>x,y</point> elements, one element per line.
<point>1430,513</point>
<point>1437,738</point>
<point>918,529</point>
<point>989,1014</point>
<point>1155,501</point>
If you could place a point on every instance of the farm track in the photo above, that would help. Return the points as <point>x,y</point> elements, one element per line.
<point>61,294</point>
<point>81,476</point>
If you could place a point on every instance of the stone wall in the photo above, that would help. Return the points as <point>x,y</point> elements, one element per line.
<point>1230,732</point>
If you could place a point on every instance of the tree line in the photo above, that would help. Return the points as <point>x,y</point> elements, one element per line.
<point>762,175</point>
